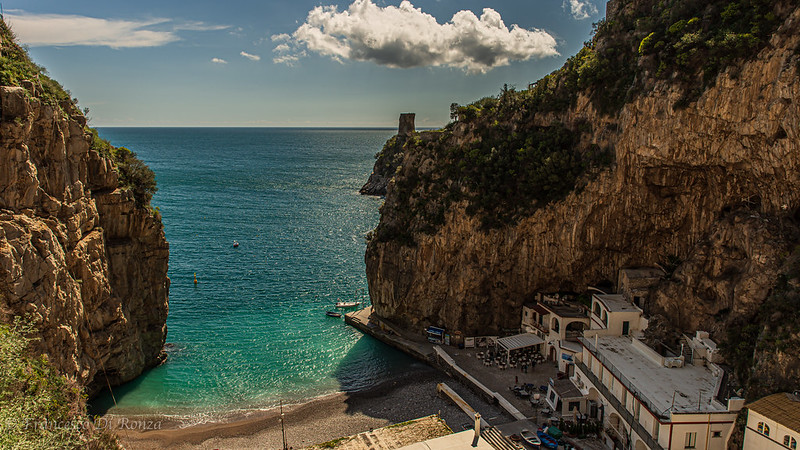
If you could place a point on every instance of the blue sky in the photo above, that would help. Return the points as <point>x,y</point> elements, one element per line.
<point>294,63</point>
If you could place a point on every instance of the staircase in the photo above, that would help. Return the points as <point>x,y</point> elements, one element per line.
<point>496,439</point>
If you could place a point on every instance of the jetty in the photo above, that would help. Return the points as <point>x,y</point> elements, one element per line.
<point>369,323</point>
<point>491,384</point>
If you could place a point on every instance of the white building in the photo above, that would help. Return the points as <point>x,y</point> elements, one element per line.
<point>612,315</point>
<point>560,323</point>
<point>564,398</point>
<point>648,399</point>
<point>773,423</point>
<point>647,402</point>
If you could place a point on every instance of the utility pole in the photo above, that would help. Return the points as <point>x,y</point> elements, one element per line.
<point>283,428</point>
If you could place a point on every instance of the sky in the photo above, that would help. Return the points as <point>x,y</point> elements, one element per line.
<point>294,63</point>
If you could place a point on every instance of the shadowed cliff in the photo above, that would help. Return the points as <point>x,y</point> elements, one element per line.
<point>83,257</point>
<point>672,136</point>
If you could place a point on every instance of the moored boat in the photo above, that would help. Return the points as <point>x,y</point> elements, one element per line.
<point>341,304</point>
<point>530,438</point>
<point>332,314</point>
<point>547,440</point>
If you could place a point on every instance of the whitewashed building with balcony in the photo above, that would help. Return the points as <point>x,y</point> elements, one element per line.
<point>559,323</point>
<point>648,399</point>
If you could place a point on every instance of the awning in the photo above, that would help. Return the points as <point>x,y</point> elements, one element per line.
<point>520,341</point>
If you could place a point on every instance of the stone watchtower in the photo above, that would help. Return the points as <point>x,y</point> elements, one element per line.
<point>406,127</point>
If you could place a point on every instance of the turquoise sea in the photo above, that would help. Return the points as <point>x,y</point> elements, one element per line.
<point>253,331</point>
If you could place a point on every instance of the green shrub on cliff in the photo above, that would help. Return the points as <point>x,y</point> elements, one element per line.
<point>133,173</point>
<point>40,409</point>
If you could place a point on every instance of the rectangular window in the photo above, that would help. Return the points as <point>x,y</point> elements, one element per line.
<point>717,434</point>
<point>574,406</point>
<point>691,439</point>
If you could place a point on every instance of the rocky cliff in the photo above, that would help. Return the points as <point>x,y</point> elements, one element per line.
<point>706,176</point>
<point>78,257</point>
<point>387,160</point>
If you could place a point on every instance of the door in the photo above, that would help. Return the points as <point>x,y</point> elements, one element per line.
<point>626,327</point>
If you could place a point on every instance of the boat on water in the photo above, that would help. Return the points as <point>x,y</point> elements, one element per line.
<point>333,314</point>
<point>341,304</point>
<point>547,440</point>
<point>235,244</point>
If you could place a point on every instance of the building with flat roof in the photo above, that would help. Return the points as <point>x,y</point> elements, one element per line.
<point>650,401</point>
<point>613,315</point>
<point>773,422</point>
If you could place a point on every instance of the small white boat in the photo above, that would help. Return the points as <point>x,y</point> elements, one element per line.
<point>341,304</point>
<point>530,438</point>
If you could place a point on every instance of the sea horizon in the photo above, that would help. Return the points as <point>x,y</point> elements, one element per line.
<point>253,330</point>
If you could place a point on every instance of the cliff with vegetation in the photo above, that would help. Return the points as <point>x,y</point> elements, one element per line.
<point>671,138</point>
<point>83,257</point>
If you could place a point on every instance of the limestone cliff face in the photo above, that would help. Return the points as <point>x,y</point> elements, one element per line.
<point>684,183</point>
<point>77,256</point>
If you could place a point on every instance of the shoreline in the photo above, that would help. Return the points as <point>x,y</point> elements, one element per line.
<point>191,419</point>
<point>318,420</point>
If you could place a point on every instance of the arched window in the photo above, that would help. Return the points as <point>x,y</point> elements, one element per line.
<point>786,440</point>
<point>793,445</point>
<point>761,427</point>
<point>555,325</point>
<point>597,309</point>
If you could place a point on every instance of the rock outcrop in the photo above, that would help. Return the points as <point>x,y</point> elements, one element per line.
<point>714,184</point>
<point>78,258</point>
<point>387,160</point>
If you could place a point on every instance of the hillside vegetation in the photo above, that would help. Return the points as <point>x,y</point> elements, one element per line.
<point>17,69</point>
<point>40,409</point>
<point>500,158</point>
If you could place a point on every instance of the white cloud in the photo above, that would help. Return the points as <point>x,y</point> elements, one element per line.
<point>218,61</point>
<point>404,36</point>
<point>289,60</point>
<point>199,26</point>
<point>250,57</point>
<point>282,48</point>
<point>42,30</point>
<point>580,10</point>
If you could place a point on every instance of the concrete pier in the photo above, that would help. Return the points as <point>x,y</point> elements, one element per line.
<point>369,323</point>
